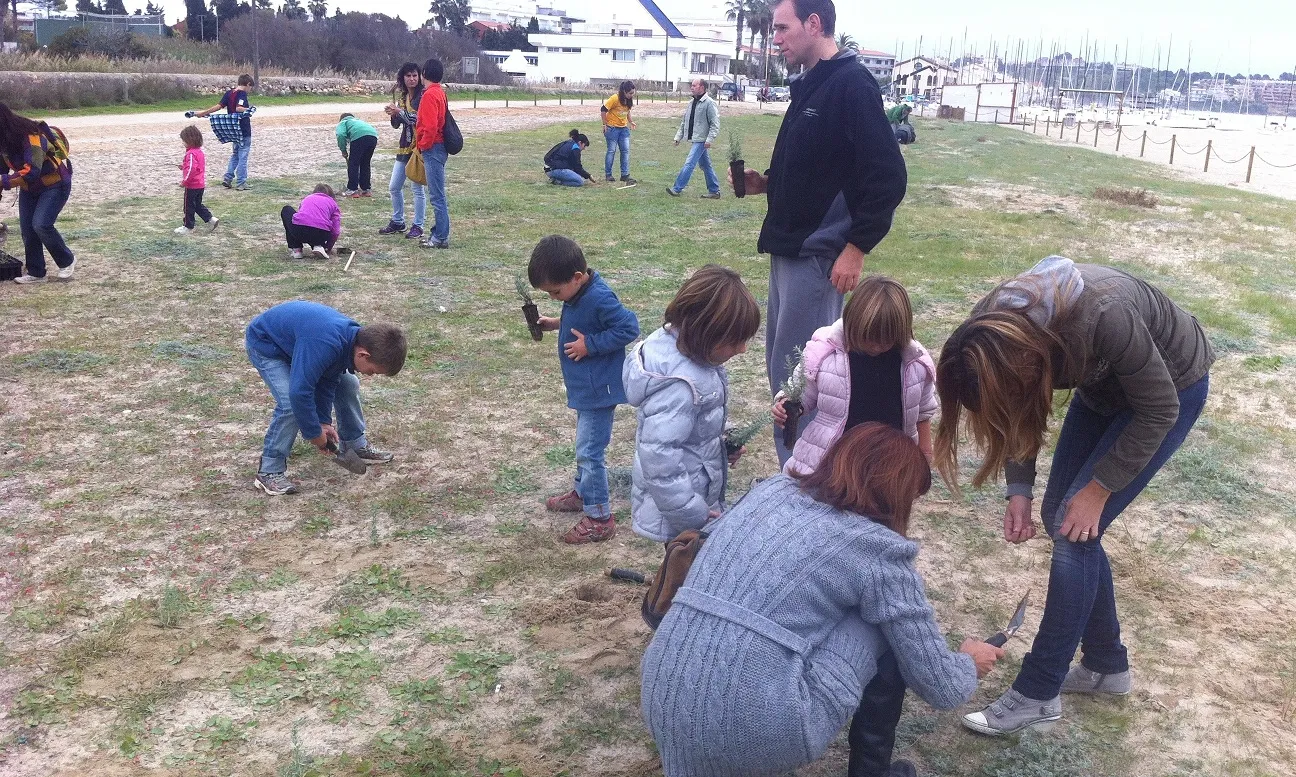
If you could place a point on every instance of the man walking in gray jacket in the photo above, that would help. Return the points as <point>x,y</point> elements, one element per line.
<point>700,125</point>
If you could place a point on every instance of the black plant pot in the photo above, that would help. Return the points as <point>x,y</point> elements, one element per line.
<point>793,410</point>
<point>532,314</point>
<point>738,171</point>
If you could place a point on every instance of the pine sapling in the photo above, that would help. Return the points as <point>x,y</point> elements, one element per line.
<point>793,389</point>
<point>529,309</point>
<point>738,436</point>
<point>737,166</point>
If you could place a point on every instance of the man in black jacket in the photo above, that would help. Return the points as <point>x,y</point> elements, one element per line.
<point>834,182</point>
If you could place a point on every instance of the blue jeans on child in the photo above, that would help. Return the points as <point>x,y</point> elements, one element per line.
<point>617,137</point>
<point>283,429</point>
<point>566,177</point>
<point>397,190</point>
<point>236,173</point>
<point>434,159</point>
<point>698,154</point>
<point>593,433</point>
<point>1081,607</point>
<point>36,216</point>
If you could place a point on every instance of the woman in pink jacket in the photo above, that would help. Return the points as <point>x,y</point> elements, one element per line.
<point>316,226</point>
<point>864,367</point>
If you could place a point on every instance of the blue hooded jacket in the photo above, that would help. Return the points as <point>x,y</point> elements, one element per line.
<point>608,326</point>
<point>319,345</point>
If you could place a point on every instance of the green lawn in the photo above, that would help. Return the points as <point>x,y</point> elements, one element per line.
<point>163,617</point>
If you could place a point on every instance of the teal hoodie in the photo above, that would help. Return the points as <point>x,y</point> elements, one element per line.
<point>351,128</point>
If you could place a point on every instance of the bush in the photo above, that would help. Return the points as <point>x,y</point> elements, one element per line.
<point>114,44</point>
<point>90,91</point>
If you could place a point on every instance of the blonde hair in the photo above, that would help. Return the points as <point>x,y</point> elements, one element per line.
<point>878,313</point>
<point>711,310</point>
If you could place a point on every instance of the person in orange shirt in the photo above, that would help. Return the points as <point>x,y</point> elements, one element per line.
<point>429,138</point>
<point>616,128</point>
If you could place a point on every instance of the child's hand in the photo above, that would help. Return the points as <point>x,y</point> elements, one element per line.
<point>779,413</point>
<point>576,349</point>
<point>736,455</point>
<point>548,324</point>
<point>712,515</point>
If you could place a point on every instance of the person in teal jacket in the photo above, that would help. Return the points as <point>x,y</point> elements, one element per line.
<point>593,333</point>
<point>363,139</point>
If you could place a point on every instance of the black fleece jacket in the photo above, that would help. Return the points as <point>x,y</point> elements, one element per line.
<point>566,156</point>
<point>835,139</point>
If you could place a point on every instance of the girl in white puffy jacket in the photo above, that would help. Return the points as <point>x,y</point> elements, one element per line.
<point>675,379</point>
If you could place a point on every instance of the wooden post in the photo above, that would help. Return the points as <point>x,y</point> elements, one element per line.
<point>1250,162</point>
<point>1079,124</point>
<point>1173,139</point>
<point>1097,127</point>
<point>996,121</point>
<point>474,99</point>
<point>1206,169</point>
<point>1119,132</point>
<point>506,102</point>
<point>1035,130</point>
<point>1143,146</point>
<point>535,99</point>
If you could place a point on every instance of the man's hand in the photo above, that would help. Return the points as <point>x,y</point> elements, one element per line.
<point>983,654</point>
<point>1084,513</point>
<point>756,183</point>
<point>549,324</point>
<point>847,269</point>
<point>1018,526</point>
<point>327,434</point>
<point>576,349</point>
<point>707,145</point>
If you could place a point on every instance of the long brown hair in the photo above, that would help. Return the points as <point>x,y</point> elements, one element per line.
<point>14,131</point>
<point>711,310</point>
<point>1000,366</point>
<point>878,313</point>
<point>874,470</point>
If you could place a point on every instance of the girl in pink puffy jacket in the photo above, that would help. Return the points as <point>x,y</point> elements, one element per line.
<point>866,366</point>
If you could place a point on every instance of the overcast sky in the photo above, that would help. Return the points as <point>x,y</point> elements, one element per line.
<point>1241,36</point>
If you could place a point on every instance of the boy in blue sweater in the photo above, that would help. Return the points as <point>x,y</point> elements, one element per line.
<point>308,355</point>
<point>593,333</point>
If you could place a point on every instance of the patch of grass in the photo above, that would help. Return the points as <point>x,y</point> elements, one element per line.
<point>446,636</point>
<point>173,608</point>
<point>376,581</point>
<point>248,581</point>
<point>561,456</point>
<point>346,678</point>
<point>1041,755</point>
<point>219,732</point>
<point>189,353</point>
<point>62,362</point>
<point>478,670</point>
<point>274,678</point>
<point>1263,363</point>
<point>354,623</point>
<point>514,479</point>
<point>1138,198</point>
<point>47,702</point>
<point>601,723</point>
<point>427,693</point>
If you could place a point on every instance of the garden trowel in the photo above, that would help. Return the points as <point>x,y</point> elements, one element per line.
<point>1014,623</point>
<point>348,460</point>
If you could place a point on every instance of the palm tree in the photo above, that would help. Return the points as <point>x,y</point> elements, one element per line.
<point>845,41</point>
<point>737,9</point>
<point>758,19</point>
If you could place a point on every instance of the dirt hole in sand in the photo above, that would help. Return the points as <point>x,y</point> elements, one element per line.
<point>589,592</point>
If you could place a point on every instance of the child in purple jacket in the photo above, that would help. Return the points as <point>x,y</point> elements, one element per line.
<point>313,229</point>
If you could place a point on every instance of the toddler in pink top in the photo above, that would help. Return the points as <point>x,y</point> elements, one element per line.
<point>193,179</point>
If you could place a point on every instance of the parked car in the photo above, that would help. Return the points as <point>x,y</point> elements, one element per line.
<point>731,91</point>
<point>781,94</point>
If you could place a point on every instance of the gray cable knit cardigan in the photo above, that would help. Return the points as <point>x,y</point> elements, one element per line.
<point>766,650</point>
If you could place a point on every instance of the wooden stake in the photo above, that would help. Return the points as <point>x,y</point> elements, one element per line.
<point>347,266</point>
<point>1250,162</point>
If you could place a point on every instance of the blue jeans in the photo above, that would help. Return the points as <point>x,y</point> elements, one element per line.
<point>397,189</point>
<point>283,429</point>
<point>593,433</point>
<point>1081,607</point>
<point>566,177</point>
<point>239,150</point>
<point>617,137</point>
<point>36,216</point>
<point>698,154</point>
<point>434,159</point>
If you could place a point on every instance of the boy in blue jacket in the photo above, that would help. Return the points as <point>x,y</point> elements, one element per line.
<point>308,355</point>
<point>593,333</point>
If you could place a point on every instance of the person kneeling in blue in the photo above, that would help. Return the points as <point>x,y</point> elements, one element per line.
<point>563,162</point>
<point>308,354</point>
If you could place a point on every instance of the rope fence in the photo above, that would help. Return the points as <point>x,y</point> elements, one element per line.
<point>1099,128</point>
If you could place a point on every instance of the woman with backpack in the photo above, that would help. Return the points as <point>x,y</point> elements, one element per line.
<point>34,160</point>
<point>563,162</point>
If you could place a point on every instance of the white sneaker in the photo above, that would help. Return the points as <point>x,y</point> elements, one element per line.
<point>321,252</point>
<point>296,253</point>
<point>215,222</point>
<point>66,273</point>
<point>183,230</point>
<point>25,279</point>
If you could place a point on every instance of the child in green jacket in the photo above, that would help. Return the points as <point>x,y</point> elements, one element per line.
<point>363,139</point>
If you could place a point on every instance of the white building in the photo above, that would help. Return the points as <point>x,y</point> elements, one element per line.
<point>520,13</point>
<point>922,76</point>
<point>879,63</point>
<point>632,46</point>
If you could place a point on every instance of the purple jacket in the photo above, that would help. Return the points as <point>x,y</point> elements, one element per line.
<point>827,387</point>
<point>321,212</point>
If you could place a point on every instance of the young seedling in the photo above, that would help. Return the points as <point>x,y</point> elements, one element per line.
<point>793,389</point>
<point>738,436</point>
<point>737,166</point>
<point>529,309</point>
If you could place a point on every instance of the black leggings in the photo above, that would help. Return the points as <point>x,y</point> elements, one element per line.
<point>358,158</point>
<point>299,235</point>
<point>194,206</point>
<point>872,730</point>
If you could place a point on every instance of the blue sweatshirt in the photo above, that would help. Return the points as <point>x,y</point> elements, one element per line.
<point>608,326</point>
<point>319,345</point>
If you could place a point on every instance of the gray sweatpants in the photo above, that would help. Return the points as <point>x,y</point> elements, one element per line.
<point>801,299</point>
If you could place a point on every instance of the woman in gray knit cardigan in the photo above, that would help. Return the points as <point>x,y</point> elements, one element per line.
<point>802,608</point>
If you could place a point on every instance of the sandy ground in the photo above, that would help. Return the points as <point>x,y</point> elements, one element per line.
<point>134,154</point>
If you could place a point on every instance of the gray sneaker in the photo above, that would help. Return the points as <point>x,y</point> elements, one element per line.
<point>275,484</point>
<point>1082,680</point>
<point>1013,712</point>
<point>372,455</point>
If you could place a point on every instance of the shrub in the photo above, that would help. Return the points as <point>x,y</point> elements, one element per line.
<point>114,44</point>
<point>1136,197</point>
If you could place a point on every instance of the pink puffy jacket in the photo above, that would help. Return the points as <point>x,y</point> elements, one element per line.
<point>827,373</point>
